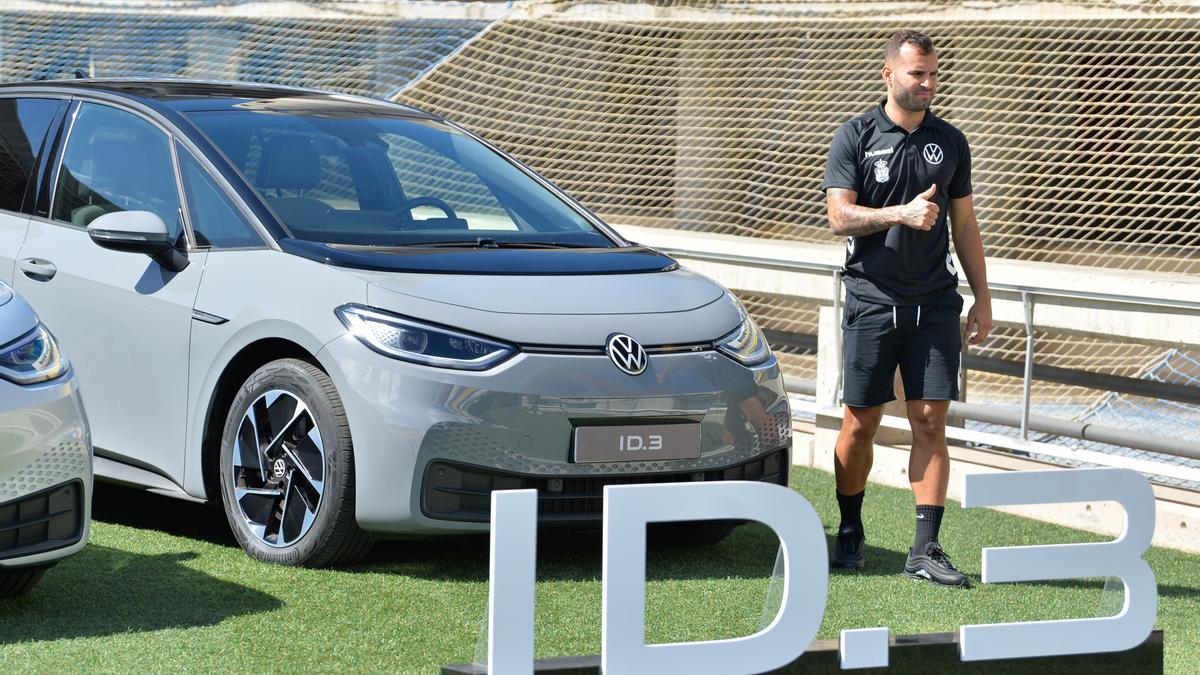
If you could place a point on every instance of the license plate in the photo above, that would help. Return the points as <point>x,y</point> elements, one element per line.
<point>637,443</point>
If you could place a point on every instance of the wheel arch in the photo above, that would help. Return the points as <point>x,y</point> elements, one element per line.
<point>248,359</point>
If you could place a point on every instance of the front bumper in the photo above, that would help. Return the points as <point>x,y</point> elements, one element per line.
<point>461,492</point>
<point>45,473</point>
<point>513,426</point>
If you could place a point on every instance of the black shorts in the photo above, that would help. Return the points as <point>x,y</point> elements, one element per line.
<point>924,341</point>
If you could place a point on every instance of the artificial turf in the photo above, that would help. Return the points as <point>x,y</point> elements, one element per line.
<point>161,586</point>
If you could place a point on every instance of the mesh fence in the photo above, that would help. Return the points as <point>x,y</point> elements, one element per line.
<point>793,317</point>
<point>1061,350</point>
<point>1154,417</point>
<point>719,119</point>
<point>370,54</point>
<point>716,116</point>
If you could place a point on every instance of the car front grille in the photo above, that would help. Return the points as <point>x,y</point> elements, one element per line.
<point>44,521</point>
<point>461,492</point>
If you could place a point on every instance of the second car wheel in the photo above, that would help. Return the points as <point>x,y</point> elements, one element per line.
<point>19,581</point>
<point>287,469</point>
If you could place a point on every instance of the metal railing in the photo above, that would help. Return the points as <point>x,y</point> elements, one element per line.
<point>1024,421</point>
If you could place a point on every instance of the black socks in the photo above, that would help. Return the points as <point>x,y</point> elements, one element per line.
<point>851,508</point>
<point>929,521</point>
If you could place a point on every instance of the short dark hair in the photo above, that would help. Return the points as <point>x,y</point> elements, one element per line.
<point>906,37</point>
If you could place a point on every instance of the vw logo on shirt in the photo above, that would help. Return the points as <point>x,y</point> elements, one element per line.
<point>933,153</point>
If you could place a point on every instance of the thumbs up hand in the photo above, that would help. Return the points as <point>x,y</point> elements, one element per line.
<point>920,213</point>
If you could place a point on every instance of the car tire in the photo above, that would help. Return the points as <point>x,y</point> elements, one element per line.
<point>697,533</point>
<point>287,469</point>
<point>19,581</point>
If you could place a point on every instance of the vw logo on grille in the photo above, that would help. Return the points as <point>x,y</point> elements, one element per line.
<point>279,468</point>
<point>933,153</point>
<point>626,353</point>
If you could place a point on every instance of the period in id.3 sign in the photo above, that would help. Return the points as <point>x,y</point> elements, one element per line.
<point>628,508</point>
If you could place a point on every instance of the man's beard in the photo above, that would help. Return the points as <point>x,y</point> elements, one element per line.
<point>908,101</point>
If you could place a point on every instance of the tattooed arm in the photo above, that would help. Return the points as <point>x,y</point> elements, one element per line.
<point>847,219</point>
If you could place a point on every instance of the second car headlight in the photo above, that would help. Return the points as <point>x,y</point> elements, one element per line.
<point>746,344</point>
<point>409,340</point>
<point>34,357</point>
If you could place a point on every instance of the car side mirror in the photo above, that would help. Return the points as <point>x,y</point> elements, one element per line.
<point>138,232</point>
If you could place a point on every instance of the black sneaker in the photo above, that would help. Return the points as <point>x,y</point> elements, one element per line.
<point>934,566</point>
<point>849,551</point>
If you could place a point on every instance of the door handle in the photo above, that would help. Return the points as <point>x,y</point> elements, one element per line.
<point>37,269</point>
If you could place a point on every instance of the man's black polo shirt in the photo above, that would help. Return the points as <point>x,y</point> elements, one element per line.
<point>888,166</point>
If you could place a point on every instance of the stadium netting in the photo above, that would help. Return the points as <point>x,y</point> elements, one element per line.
<point>716,116</point>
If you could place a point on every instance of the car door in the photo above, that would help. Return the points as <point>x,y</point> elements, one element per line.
<point>24,122</point>
<point>123,320</point>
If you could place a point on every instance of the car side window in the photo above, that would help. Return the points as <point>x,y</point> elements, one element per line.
<point>23,126</point>
<point>216,221</point>
<point>115,161</point>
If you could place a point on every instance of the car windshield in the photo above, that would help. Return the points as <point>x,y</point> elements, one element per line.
<point>384,181</point>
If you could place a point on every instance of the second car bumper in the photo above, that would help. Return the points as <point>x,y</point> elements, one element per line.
<point>45,473</point>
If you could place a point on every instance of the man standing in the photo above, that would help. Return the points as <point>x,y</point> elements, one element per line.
<point>894,174</point>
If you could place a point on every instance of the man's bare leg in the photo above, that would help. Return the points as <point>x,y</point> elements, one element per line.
<point>853,456</point>
<point>855,449</point>
<point>929,461</point>
<point>929,474</point>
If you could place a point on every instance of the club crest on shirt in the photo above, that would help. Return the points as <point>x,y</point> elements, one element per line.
<point>881,171</point>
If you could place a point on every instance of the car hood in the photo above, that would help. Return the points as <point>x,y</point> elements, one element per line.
<point>664,308</point>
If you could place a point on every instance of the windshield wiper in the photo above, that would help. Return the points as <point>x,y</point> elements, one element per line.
<point>485,242</point>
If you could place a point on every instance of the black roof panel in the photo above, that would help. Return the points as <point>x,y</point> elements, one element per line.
<point>192,95</point>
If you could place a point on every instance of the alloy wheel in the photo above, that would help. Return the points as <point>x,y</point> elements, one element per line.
<point>278,468</point>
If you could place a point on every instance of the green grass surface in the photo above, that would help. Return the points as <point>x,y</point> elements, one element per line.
<point>162,587</point>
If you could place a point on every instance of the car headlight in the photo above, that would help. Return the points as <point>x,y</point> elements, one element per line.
<point>34,357</point>
<point>422,343</point>
<point>746,344</point>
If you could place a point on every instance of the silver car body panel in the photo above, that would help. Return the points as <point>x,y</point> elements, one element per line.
<point>44,440</point>
<point>675,291</point>
<point>12,234</point>
<point>133,370</point>
<point>404,415</point>
<point>661,308</point>
<point>262,294</point>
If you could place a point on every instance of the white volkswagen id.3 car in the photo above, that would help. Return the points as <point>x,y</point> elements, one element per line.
<point>45,453</point>
<point>347,319</point>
